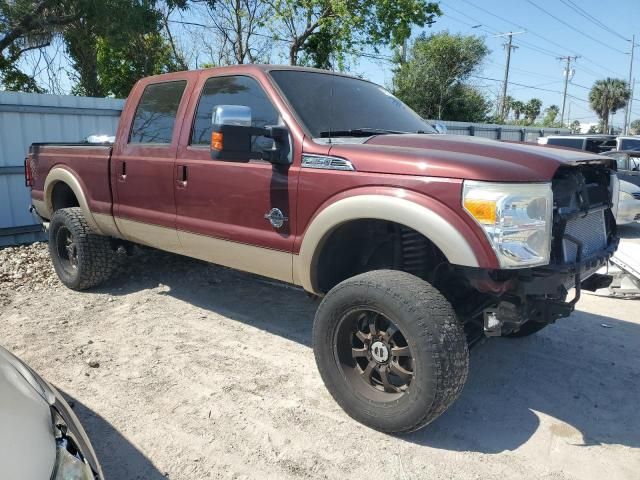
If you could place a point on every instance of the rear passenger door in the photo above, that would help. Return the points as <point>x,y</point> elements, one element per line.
<point>143,166</point>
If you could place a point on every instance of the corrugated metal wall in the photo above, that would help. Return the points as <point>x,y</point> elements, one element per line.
<point>501,132</point>
<point>26,118</point>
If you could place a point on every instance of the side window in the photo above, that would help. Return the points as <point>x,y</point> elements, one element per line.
<point>155,116</point>
<point>622,160</point>
<point>238,90</point>
<point>566,142</point>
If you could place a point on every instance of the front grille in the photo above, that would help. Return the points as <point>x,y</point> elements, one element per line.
<point>636,195</point>
<point>590,230</point>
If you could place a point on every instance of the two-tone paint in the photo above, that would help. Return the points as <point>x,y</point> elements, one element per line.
<point>175,197</point>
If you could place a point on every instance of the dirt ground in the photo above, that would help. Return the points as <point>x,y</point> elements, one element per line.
<point>204,373</point>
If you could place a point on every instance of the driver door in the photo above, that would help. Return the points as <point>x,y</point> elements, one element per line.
<point>221,205</point>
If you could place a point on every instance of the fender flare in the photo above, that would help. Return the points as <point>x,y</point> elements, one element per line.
<point>425,220</point>
<point>60,174</point>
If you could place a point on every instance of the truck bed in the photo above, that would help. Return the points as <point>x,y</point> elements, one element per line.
<point>89,164</point>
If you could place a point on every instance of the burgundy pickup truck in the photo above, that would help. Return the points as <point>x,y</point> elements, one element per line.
<point>419,244</point>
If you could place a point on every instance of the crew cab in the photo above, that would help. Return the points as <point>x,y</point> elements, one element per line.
<point>419,245</point>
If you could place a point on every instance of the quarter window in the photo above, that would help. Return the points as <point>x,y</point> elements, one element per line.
<point>155,116</point>
<point>238,90</point>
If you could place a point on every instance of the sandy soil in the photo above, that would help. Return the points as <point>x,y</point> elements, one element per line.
<point>207,373</point>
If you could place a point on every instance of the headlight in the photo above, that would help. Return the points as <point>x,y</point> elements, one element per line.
<point>625,196</point>
<point>70,463</point>
<point>516,218</point>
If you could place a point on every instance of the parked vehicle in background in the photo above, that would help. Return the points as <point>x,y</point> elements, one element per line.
<point>593,143</point>
<point>629,203</point>
<point>420,244</point>
<point>628,165</point>
<point>590,143</point>
<point>40,436</point>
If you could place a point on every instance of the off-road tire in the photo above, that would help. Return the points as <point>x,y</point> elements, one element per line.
<point>434,335</point>
<point>94,255</point>
<point>527,330</point>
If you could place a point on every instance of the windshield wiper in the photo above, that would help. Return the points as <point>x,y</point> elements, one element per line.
<point>359,132</point>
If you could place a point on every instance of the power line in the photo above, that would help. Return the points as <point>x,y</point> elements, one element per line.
<point>592,19</point>
<point>541,37</point>
<point>574,28</point>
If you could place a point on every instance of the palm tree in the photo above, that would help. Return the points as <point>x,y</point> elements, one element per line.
<point>532,110</point>
<point>608,96</point>
<point>518,107</point>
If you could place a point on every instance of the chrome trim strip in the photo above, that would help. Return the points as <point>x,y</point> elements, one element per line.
<point>326,162</point>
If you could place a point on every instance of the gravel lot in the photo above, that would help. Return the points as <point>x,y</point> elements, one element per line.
<point>185,370</point>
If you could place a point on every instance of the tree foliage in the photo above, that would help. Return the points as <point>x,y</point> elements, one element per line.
<point>608,96</point>
<point>434,80</point>
<point>550,116</point>
<point>575,127</point>
<point>316,29</point>
<point>634,127</point>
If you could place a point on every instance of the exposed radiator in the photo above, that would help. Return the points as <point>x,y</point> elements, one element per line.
<point>590,230</point>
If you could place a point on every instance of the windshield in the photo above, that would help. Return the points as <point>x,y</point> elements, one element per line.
<point>629,144</point>
<point>346,106</point>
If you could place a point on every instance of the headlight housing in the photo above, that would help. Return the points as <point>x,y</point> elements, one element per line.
<point>70,462</point>
<point>516,218</point>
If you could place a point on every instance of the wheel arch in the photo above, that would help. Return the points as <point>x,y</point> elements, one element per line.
<point>61,175</point>
<point>417,212</point>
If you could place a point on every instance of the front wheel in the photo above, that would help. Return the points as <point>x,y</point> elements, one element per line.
<point>82,259</point>
<point>390,350</point>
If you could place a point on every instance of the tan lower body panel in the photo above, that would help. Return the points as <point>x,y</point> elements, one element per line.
<point>155,236</point>
<point>249,258</point>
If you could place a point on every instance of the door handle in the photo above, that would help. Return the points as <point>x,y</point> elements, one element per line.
<point>123,171</point>
<point>181,177</point>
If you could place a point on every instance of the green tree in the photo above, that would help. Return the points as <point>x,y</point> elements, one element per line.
<point>433,81</point>
<point>608,96</point>
<point>317,29</point>
<point>532,110</point>
<point>575,126</point>
<point>518,107</point>
<point>634,127</point>
<point>550,116</point>
<point>27,25</point>
<point>120,67</point>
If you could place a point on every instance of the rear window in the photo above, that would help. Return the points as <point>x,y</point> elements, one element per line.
<point>567,142</point>
<point>155,116</point>
<point>630,144</point>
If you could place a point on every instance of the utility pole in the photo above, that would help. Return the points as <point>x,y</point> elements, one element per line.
<point>508,47</point>
<point>630,105</point>
<point>567,72</point>
<point>627,109</point>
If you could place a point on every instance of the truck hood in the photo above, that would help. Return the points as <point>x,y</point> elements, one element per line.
<point>457,156</point>
<point>27,443</point>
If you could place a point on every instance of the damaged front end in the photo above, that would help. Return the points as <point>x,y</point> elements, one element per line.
<point>583,239</point>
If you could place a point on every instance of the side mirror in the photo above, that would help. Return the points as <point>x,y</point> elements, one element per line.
<point>232,137</point>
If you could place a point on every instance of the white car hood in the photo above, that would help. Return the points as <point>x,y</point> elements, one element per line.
<point>628,187</point>
<point>27,443</point>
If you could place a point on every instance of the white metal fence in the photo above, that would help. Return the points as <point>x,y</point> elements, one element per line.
<point>26,118</point>
<point>501,132</point>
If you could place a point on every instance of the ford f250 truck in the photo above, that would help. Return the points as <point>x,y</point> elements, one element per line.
<point>419,244</point>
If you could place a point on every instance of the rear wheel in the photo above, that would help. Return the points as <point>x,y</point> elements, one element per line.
<point>81,258</point>
<point>390,350</point>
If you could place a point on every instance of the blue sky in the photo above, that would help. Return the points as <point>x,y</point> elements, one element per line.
<point>534,62</point>
<point>601,46</point>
